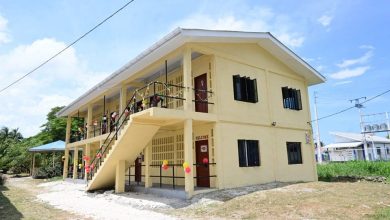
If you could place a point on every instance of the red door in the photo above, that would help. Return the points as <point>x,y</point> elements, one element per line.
<point>137,168</point>
<point>202,169</point>
<point>201,93</point>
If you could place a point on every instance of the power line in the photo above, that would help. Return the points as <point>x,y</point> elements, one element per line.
<point>67,47</point>
<point>352,107</point>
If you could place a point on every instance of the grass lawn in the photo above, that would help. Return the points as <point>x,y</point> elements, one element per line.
<point>17,201</point>
<point>353,168</point>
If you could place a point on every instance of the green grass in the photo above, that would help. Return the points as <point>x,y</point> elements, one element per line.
<point>381,214</point>
<point>353,168</point>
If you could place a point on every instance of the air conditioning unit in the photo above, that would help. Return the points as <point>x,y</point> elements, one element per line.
<point>367,128</point>
<point>383,127</point>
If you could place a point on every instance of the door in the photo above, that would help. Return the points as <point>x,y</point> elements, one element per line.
<point>202,169</point>
<point>137,169</point>
<point>201,93</point>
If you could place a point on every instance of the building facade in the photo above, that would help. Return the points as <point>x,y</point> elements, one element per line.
<point>350,146</point>
<point>199,109</point>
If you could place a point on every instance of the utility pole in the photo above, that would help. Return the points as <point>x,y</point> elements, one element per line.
<point>319,154</point>
<point>359,106</point>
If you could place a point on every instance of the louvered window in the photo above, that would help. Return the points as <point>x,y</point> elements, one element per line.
<point>291,98</point>
<point>248,153</point>
<point>245,89</point>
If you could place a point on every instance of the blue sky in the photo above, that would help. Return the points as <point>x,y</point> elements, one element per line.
<point>347,41</point>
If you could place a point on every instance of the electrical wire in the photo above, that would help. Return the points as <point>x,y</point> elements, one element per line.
<point>67,47</point>
<point>344,110</point>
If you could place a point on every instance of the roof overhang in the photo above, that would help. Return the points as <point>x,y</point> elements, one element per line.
<point>343,145</point>
<point>178,38</point>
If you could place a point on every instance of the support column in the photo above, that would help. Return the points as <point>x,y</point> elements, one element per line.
<point>148,156</point>
<point>187,79</point>
<point>218,155</point>
<point>75,162</point>
<point>68,126</point>
<point>66,164</point>
<point>33,164</point>
<point>122,99</point>
<point>88,154</point>
<point>89,121</point>
<point>189,158</point>
<point>120,176</point>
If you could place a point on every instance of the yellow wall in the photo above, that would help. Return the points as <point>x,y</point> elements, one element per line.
<point>243,120</point>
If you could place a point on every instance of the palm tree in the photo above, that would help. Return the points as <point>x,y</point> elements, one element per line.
<point>6,133</point>
<point>15,134</point>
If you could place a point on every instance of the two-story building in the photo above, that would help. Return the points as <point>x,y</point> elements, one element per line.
<point>198,109</point>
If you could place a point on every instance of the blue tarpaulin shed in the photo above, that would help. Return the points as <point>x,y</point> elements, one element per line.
<point>57,146</point>
<point>51,147</point>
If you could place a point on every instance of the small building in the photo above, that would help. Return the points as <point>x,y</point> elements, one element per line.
<point>350,146</point>
<point>199,109</point>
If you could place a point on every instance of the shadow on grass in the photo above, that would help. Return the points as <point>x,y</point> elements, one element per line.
<point>7,209</point>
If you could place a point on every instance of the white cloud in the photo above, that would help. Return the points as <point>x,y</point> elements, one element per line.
<point>348,73</point>
<point>4,36</point>
<point>342,82</point>
<point>325,20</point>
<point>256,19</point>
<point>361,60</point>
<point>26,104</point>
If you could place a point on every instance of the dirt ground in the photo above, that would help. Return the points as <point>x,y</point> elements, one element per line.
<point>18,201</point>
<point>317,200</point>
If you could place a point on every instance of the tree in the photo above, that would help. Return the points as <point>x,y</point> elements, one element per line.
<point>55,126</point>
<point>14,153</point>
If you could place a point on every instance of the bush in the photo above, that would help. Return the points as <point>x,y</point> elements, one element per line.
<point>353,168</point>
<point>48,172</point>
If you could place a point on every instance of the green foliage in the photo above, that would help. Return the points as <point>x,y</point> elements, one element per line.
<point>14,155</point>
<point>383,213</point>
<point>353,168</point>
<point>48,171</point>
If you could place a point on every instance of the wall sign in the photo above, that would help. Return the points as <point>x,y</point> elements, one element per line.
<point>201,137</point>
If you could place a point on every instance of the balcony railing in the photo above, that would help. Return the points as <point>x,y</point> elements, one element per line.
<point>154,94</point>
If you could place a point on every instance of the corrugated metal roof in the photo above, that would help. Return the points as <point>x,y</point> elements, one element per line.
<point>54,146</point>
<point>179,37</point>
<point>359,137</point>
<point>343,145</point>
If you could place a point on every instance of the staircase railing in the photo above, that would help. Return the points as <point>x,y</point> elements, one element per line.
<point>131,107</point>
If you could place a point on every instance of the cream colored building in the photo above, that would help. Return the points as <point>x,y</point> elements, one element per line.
<point>232,105</point>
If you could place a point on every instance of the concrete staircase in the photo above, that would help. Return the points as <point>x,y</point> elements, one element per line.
<point>132,139</point>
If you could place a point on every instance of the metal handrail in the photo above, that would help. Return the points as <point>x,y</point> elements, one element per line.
<point>132,105</point>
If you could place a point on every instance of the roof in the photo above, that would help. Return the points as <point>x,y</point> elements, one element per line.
<point>343,145</point>
<point>179,37</point>
<point>359,137</point>
<point>51,147</point>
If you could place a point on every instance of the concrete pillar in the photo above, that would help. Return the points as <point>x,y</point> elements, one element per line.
<point>75,161</point>
<point>66,164</point>
<point>120,176</point>
<point>218,155</point>
<point>68,127</point>
<point>187,80</point>
<point>189,158</point>
<point>122,99</point>
<point>88,154</point>
<point>147,160</point>
<point>89,121</point>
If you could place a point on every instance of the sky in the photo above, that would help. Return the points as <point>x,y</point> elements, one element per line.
<point>346,41</point>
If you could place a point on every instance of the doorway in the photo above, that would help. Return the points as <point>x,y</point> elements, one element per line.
<point>201,93</point>
<point>137,170</point>
<point>202,169</point>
